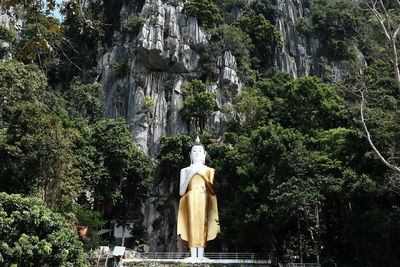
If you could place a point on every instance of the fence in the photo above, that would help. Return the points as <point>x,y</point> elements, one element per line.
<point>210,255</point>
<point>301,265</point>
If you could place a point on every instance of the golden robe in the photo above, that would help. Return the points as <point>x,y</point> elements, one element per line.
<point>198,211</point>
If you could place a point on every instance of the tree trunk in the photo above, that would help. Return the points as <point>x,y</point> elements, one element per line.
<point>300,242</point>
<point>316,241</point>
<point>123,235</point>
<point>395,62</point>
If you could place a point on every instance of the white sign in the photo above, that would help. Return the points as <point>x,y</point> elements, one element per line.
<point>118,251</point>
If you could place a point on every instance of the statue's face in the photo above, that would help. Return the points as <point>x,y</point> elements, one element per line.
<point>198,154</point>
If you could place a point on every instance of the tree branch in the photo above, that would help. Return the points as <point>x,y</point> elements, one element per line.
<point>396,169</point>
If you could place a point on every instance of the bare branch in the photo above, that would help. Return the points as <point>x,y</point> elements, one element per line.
<point>395,168</point>
<point>379,16</point>
<point>396,32</point>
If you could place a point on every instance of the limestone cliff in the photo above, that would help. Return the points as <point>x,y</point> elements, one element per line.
<point>9,20</point>
<point>160,59</point>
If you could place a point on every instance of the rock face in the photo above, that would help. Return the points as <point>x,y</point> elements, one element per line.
<point>296,55</point>
<point>161,59</point>
<point>9,20</point>
<point>158,61</point>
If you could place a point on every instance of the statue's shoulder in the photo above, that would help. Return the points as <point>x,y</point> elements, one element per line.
<point>210,169</point>
<point>185,169</point>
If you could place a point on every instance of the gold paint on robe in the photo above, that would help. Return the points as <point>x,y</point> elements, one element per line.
<point>198,211</point>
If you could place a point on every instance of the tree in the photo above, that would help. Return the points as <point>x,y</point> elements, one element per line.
<point>206,11</point>
<point>124,172</point>
<point>85,100</point>
<point>198,103</point>
<point>9,39</point>
<point>388,16</point>
<point>336,23</point>
<point>33,235</point>
<point>174,153</point>
<point>225,38</point>
<point>37,154</point>
<point>37,148</point>
<point>306,104</point>
<point>21,83</point>
<point>378,110</point>
<point>309,103</point>
<point>264,36</point>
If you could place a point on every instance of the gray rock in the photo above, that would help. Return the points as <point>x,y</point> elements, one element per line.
<point>162,59</point>
<point>297,54</point>
<point>8,19</point>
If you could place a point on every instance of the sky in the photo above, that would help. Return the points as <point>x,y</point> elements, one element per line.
<point>57,13</point>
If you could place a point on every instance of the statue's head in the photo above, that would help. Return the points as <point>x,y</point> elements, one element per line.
<point>198,154</point>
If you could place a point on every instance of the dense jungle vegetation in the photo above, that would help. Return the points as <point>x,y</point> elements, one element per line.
<point>308,168</point>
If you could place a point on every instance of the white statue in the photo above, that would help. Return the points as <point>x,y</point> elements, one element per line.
<point>198,211</point>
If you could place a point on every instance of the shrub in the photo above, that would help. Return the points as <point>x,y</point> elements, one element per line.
<point>207,12</point>
<point>120,68</point>
<point>32,235</point>
<point>134,25</point>
<point>198,103</point>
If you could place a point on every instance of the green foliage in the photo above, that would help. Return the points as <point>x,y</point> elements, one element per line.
<point>87,217</point>
<point>287,176</point>
<point>32,235</point>
<point>41,38</point>
<point>148,105</point>
<point>198,103</point>
<point>303,26</point>
<point>91,28</point>
<point>309,103</point>
<point>8,36</point>
<point>306,104</point>
<point>229,4</point>
<point>20,83</point>
<point>336,23</point>
<point>174,153</point>
<point>37,156</point>
<point>172,2</point>
<point>93,220</point>
<point>206,11</point>
<point>149,10</point>
<point>226,38</point>
<point>169,86</point>
<point>120,68</point>
<point>381,108</point>
<point>37,150</point>
<point>126,168</point>
<point>85,100</point>
<point>264,36</point>
<point>134,25</point>
<point>266,7</point>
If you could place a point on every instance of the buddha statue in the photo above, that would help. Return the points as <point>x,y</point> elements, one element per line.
<point>198,211</point>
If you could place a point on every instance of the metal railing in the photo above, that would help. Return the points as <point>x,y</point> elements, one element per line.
<point>238,256</point>
<point>301,265</point>
<point>210,255</point>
